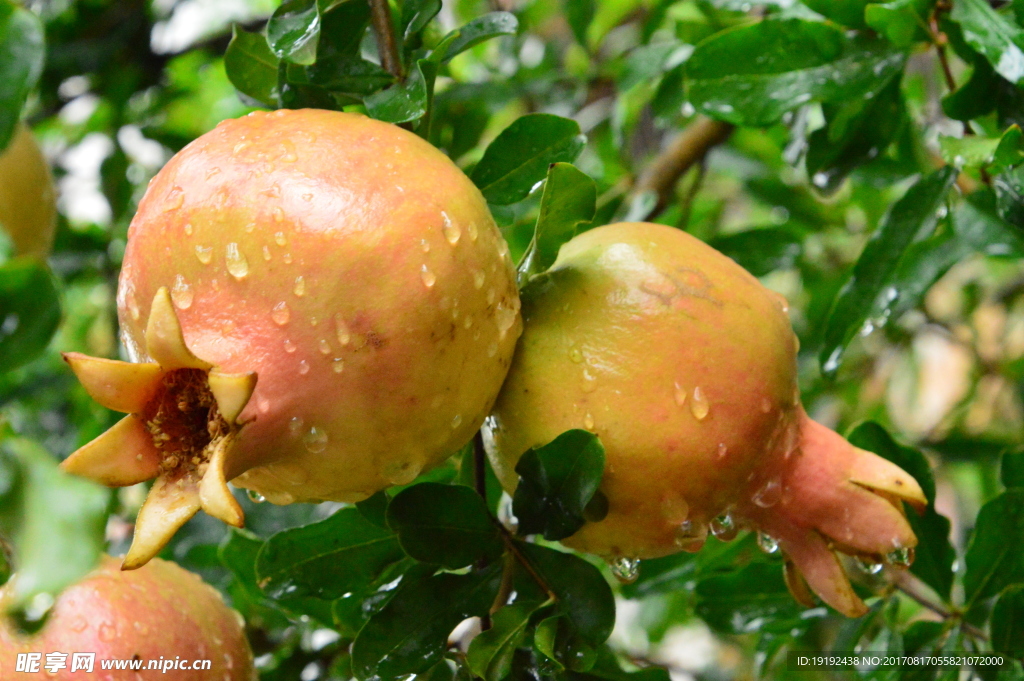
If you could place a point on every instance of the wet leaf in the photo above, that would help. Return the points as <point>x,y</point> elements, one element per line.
<point>1009,191</point>
<point>741,601</point>
<point>326,559</point>
<point>410,633</point>
<point>760,251</point>
<point>1012,470</point>
<point>252,66</point>
<point>846,12</point>
<point>901,21</point>
<point>556,482</point>
<point>343,73</point>
<point>473,33</point>
<point>374,508</point>
<point>444,524</point>
<point>556,639</point>
<point>519,157</point>
<point>994,559</point>
<point>976,151</point>
<point>416,14</point>
<point>992,35</point>
<point>406,101</point>
<point>1008,622</point>
<point>22,52</point>
<point>30,310</point>
<point>490,653</point>
<point>293,31</point>
<point>566,208</point>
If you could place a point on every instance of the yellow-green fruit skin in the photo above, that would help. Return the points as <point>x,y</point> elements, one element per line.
<point>28,202</point>
<point>676,357</point>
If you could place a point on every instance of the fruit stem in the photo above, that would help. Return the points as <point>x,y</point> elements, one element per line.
<point>383,29</point>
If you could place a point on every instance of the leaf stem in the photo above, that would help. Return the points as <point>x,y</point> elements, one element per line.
<point>387,46</point>
<point>910,585</point>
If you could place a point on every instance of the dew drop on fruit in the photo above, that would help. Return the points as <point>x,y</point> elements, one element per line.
<point>287,257</point>
<point>766,405</point>
<point>425,245</point>
<point>341,330</point>
<point>869,566</point>
<point>490,296</point>
<point>588,421</point>
<point>255,496</point>
<point>456,421</point>
<point>279,214</point>
<point>467,322</point>
<point>699,406</point>
<point>769,494</point>
<point>626,570</point>
<point>900,557</point>
<point>589,381</point>
<point>188,229</point>
<point>472,231</point>
<point>492,349</point>
<point>723,450</point>
<point>452,233</point>
<point>505,317</point>
<point>237,264</point>
<point>204,254</point>
<point>401,473</point>
<point>279,238</point>
<point>281,313</point>
<point>575,355</point>
<point>303,367</point>
<point>266,253</point>
<point>724,527</point>
<point>307,197</point>
<point>295,425</point>
<point>315,440</point>
<point>478,279</point>
<point>338,365</point>
<point>674,508</point>
<point>767,543</point>
<point>325,347</point>
<point>181,293</point>
<point>680,394</point>
<point>263,405</point>
<point>289,347</point>
<point>300,286</point>
<point>174,199</point>
<point>427,276</point>
<point>133,304</point>
<point>691,535</point>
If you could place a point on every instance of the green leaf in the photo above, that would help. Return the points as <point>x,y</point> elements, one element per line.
<point>416,14</point>
<point>556,482</point>
<point>556,639</point>
<point>994,559</point>
<point>903,22</point>
<point>490,653</point>
<point>342,27</point>
<point>567,207</point>
<point>1012,469</point>
<point>327,558</point>
<point>855,132</point>
<point>579,14</point>
<point>760,251</point>
<point>29,310</point>
<point>55,521</point>
<point>444,524</point>
<point>582,593</point>
<point>751,75</point>
<point>344,74</point>
<point>251,66</point>
<point>992,35</point>
<point>483,28</point>
<point>1009,190</point>
<point>375,508</point>
<point>975,151</point>
<point>846,12</point>
<point>406,101</point>
<point>520,156</point>
<point>913,216</point>
<point>1007,622</point>
<point>293,31</point>
<point>22,52</point>
<point>410,633</point>
<point>974,98</point>
<point>741,601</point>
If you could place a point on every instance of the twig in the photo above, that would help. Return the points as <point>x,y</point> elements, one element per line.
<point>480,482</point>
<point>689,147</point>
<point>910,585</point>
<point>510,543</point>
<point>691,195</point>
<point>383,29</point>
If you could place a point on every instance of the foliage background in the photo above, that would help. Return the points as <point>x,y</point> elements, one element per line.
<point>873,177</point>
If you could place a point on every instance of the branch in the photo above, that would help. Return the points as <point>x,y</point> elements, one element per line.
<point>390,58</point>
<point>910,585</point>
<point>689,147</point>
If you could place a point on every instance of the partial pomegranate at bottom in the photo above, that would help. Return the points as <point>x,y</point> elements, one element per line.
<point>685,366</point>
<point>158,622</point>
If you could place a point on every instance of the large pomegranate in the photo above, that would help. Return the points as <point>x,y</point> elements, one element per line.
<point>320,306</point>
<point>28,202</point>
<point>160,614</point>
<point>685,366</point>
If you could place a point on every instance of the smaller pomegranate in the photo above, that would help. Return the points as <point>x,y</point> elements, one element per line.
<point>160,615</point>
<point>28,202</point>
<point>685,366</point>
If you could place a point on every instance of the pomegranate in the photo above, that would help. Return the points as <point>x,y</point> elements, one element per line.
<point>160,613</point>
<point>318,306</point>
<point>685,366</point>
<point>28,203</point>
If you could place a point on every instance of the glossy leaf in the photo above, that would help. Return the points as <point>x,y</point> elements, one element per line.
<point>974,98</point>
<point>30,310</point>
<point>342,27</point>
<point>375,508</point>
<point>55,522</point>
<point>556,482</point>
<point>1009,190</point>
<point>1008,622</point>
<point>327,558</point>
<point>294,30</point>
<point>1012,469</point>
<point>343,73</point>
<point>994,559</point>
<point>444,524</point>
<point>520,156</point>
<point>251,66</point>
<point>975,151</point>
<point>22,52</point>
<point>846,12</point>
<point>992,35</point>
<point>475,32</point>
<point>407,101</point>
<point>410,633</point>
<point>566,208</point>
<point>490,653</point>
<point>582,593</point>
<point>416,14</point>
<point>901,21</point>
<point>739,602</point>
<point>760,251</point>
<point>556,639</point>
<point>912,217</point>
<point>752,75</point>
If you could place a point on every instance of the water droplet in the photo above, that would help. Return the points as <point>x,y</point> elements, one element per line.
<point>478,279</point>
<point>255,496</point>
<point>278,214</point>
<point>287,257</point>
<point>451,231</point>
<point>279,238</point>
<point>204,254</point>
<point>212,171</point>
<point>401,473</point>
<point>188,229</point>
<point>133,305</point>
<point>425,245</point>
<point>589,381</point>
<point>174,199</point>
<point>492,349</point>
<point>240,147</point>
<point>300,286</point>
<point>699,407</point>
<point>490,296</point>
<point>107,632</point>
<point>472,231</point>
<point>303,367</point>
<point>766,405</point>
<point>767,543</point>
<point>181,293</point>
<point>722,450</point>
<point>341,330</point>
<point>427,276</point>
<point>724,527</point>
<point>281,313</point>
<point>338,365</point>
<point>456,421</point>
<point>289,347</point>
<point>690,535</point>
<point>295,425</point>
<point>900,557</point>
<point>576,355</point>
<point>769,494</point>
<point>505,317</point>
<point>238,266</point>
<point>869,566</point>
<point>588,421</point>
<point>78,625</point>
<point>263,405</point>
<point>626,570</point>
<point>325,347</point>
<point>266,253</point>
<point>680,394</point>
<point>315,440</point>
<point>467,322</point>
<point>307,197</point>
